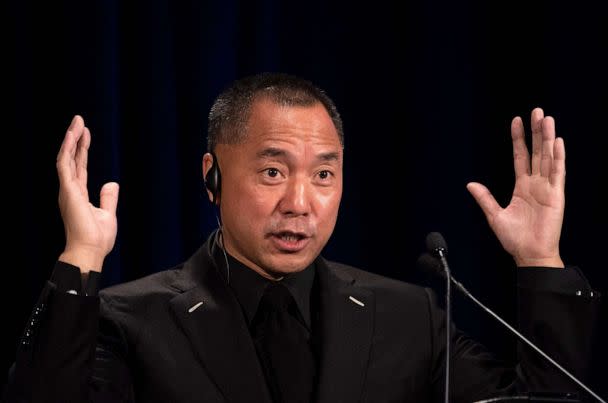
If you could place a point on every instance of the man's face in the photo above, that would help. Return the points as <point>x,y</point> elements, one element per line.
<point>281,187</point>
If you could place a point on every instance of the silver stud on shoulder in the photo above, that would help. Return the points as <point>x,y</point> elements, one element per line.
<point>195,307</point>
<point>356,301</point>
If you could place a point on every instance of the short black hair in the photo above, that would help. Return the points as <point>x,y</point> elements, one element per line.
<point>231,109</point>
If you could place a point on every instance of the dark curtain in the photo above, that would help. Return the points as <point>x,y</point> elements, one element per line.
<point>426,89</point>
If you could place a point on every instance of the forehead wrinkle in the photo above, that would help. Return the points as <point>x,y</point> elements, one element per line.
<point>293,131</point>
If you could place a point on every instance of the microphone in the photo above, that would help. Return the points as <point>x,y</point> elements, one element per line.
<point>438,247</point>
<point>436,263</point>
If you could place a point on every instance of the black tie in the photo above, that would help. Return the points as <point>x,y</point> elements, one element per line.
<point>282,343</point>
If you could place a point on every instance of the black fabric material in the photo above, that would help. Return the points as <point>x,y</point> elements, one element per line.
<point>284,347</point>
<point>248,286</point>
<point>381,341</point>
<point>68,277</point>
<point>568,280</point>
<point>57,356</point>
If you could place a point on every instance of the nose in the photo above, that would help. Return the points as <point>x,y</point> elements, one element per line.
<point>296,199</point>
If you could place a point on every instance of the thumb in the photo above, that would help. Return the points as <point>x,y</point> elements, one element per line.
<point>108,197</point>
<point>484,198</point>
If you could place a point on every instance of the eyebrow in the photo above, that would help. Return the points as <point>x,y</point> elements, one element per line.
<point>329,156</point>
<point>273,152</point>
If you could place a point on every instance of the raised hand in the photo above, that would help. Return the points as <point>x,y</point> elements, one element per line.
<point>529,228</point>
<point>90,231</point>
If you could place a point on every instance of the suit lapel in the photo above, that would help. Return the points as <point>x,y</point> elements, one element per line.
<point>218,331</point>
<point>346,325</point>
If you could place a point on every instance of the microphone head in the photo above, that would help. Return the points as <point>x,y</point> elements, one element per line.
<point>435,242</point>
<point>429,264</point>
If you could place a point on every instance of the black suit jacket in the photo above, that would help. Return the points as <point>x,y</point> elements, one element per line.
<point>382,340</point>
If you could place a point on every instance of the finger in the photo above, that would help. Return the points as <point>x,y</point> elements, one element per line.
<point>68,149</point>
<point>521,157</point>
<point>537,139</point>
<point>108,197</point>
<point>484,198</point>
<point>548,126</point>
<point>82,156</point>
<point>76,126</point>
<point>558,169</point>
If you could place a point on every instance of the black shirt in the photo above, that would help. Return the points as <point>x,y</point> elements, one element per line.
<point>248,286</point>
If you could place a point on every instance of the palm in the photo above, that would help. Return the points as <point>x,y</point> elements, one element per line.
<point>86,226</point>
<point>89,225</point>
<point>529,227</point>
<point>530,224</point>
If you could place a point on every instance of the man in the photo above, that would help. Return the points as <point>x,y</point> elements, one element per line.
<point>256,315</point>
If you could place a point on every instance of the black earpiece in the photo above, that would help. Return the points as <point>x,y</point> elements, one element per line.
<point>213,179</point>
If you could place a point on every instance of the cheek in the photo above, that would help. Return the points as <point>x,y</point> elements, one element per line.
<point>261,200</point>
<point>329,202</point>
<point>247,205</point>
<point>328,205</point>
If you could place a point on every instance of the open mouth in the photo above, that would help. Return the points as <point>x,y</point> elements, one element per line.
<point>290,236</point>
<point>288,241</point>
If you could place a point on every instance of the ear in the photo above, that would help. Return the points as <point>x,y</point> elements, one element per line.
<point>207,163</point>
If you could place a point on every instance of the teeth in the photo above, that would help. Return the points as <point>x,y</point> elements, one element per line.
<point>289,237</point>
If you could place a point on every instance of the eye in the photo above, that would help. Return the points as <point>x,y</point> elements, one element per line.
<point>324,174</point>
<point>272,175</point>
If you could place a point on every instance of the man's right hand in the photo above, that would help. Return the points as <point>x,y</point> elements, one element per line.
<point>90,231</point>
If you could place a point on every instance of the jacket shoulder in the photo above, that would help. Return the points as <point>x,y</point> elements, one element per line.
<point>138,296</point>
<point>151,284</point>
<point>379,284</point>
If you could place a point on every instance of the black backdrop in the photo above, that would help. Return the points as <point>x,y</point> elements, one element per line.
<point>427,90</point>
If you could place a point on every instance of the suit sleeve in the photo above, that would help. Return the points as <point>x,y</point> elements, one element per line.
<point>68,352</point>
<point>557,311</point>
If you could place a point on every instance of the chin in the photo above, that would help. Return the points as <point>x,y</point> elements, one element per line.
<point>287,264</point>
